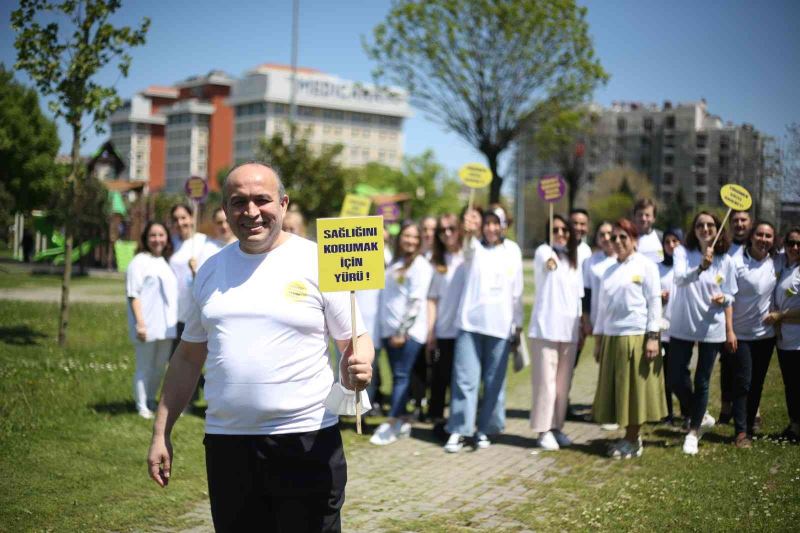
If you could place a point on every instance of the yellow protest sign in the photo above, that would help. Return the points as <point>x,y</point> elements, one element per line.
<point>355,206</point>
<point>350,253</point>
<point>475,175</point>
<point>736,197</point>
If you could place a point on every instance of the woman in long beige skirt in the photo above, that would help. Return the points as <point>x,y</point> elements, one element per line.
<point>630,389</point>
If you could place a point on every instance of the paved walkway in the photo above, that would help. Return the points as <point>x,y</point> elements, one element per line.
<point>53,294</point>
<point>414,479</point>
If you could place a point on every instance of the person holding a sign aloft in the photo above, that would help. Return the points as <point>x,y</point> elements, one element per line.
<point>404,326</point>
<point>489,314</point>
<point>704,287</point>
<point>554,332</point>
<point>786,318</point>
<point>257,317</point>
<point>152,313</point>
<point>630,388</point>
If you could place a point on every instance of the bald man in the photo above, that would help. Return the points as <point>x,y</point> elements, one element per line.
<point>258,321</point>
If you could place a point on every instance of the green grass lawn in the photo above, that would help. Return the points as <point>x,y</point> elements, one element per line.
<point>14,277</point>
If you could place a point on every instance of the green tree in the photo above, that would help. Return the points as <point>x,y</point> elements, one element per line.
<point>433,191</point>
<point>63,45</point>
<point>485,68</point>
<point>315,182</point>
<point>674,213</point>
<point>28,148</point>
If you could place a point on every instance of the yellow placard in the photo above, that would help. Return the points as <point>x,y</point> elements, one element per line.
<point>736,197</point>
<point>475,175</point>
<point>355,206</point>
<point>350,253</point>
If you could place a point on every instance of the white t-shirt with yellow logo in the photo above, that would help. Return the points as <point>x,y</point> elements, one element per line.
<point>266,324</point>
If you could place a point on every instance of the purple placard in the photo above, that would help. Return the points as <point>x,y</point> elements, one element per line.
<point>196,188</point>
<point>389,212</point>
<point>551,188</point>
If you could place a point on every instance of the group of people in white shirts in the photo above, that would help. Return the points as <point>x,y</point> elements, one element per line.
<point>453,296</point>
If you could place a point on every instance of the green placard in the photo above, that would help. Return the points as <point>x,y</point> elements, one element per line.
<point>124,252</point>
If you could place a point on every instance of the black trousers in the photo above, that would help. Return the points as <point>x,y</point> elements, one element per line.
<point>727,375</point>
<point>790,370</point>
<point>283,483</point>
<point>748,366</point>
<point>668,386</point>
<point>441,374</point>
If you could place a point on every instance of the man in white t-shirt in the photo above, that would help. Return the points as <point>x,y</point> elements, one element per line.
<point>259,322</point>
<point>644,216</point>
<point>579,218</point>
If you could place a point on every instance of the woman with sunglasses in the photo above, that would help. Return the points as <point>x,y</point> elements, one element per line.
<point>554,331</point>
<point>705,285</point>
<point>630,389</point>
<point>152,291</point>
<point>786,317</point>
<point>403,325</point>
<point>489,313</point>
<point>672,239</point>
<point>755,339</point>
<point>443,299</point>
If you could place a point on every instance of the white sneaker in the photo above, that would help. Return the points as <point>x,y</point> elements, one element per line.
<point>385,434</point>
<point>609,427</point>
<point>454,443</point>
<point>690,444</point>
<point>402,429</point>
<point>707,423</point>
<point>547,441</point>
<point>147,414</point>
<point>482,441</point>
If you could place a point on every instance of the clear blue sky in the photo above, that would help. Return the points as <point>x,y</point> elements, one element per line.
<point>742,56</point>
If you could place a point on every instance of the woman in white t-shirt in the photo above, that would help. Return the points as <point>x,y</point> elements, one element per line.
<point>444,296</point>
<point>186,258</point>
<point>755,340</point>
<point>703,294</point>
<point>152,292</point>
<point>223,235</point>
<point>554,331</point>
<point>672,239</point>
<point>490,312</point>
<point>630,389</point>
<point>592,272</point>
<point>786,317</point>
<point>404,325</point>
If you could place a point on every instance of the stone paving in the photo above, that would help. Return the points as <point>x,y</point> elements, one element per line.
<point>415,479</point>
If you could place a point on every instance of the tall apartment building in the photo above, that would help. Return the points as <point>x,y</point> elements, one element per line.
<point>167,134</point>
<point>681,147</point>
<point>366,120</point>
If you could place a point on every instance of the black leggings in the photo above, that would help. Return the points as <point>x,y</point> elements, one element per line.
<point>790,370</point>
<point>440,379</point>
<point>748,367</point>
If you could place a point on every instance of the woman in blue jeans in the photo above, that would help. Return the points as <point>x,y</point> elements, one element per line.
<point>404,327</point>
<point>489,313</point>
<point>703,293</point>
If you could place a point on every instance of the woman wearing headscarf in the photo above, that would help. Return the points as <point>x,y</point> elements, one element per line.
<point>630,389</point>
<point>152,291</point>
<point>554,331</point>
<point>490,312</point>
<point>704,289</point>
<point>755,339</point>
<point>672,239</point>
<point>404,325</point>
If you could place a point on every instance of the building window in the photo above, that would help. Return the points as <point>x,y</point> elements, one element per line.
<point>619,157</point>
<point>621,142</point>
<point>700,179</point>
<point>667,197</point>
<point>669,141</point>
<point>724,142</point>
<point>669,160</point>
<point>669,122</point>
<point>645,141</point>
<point>702,141</point>
<point>644,161</point>
<point>700,160</point>
<point>621,124</point>
<point>723,161</point>
<point>668,178</point>
<point>701,198</point>
<point>648,123</point>
<point>723,179</point>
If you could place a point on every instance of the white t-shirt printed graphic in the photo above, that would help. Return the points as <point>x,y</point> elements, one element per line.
<point>756,283</point>
<point>266,325</point>
<point>630,297</point>
<point>557,310</point>
<point>406,288</point>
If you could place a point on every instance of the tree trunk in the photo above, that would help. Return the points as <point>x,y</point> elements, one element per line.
<point>497,181</point>
<point>63,320</point>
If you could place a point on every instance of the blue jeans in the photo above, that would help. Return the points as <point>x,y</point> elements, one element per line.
<point>680,354</point>
<point>401,360</point>
<point>478,358</point>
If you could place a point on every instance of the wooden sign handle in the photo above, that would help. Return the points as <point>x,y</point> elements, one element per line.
<point>721,228</point>
<point>353,340</point>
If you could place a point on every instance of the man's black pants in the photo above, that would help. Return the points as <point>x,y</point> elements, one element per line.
<point>292,482</point>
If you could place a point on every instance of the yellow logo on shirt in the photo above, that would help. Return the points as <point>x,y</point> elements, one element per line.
<point>719,279</point>
<point>637,279</point>
<point>295,291</point>
<point>791,292</point>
